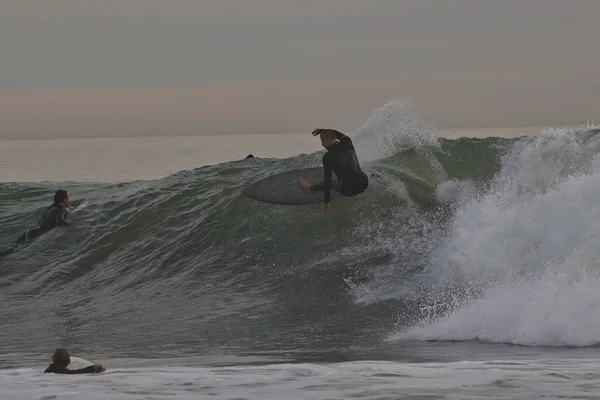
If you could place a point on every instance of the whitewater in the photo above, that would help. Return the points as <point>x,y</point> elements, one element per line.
<point>469,269</point>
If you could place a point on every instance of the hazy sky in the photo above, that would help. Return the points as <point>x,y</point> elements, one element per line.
<point>123,67</point>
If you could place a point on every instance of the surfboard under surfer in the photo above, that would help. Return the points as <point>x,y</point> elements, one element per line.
<point>340,159</point>
<point>61,360</point>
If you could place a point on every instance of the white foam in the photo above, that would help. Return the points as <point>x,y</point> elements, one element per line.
<point>389,130</point>
<point>392,128</point>
<point>455,191</point>
<point>365,380</point>
<point>526,254</point>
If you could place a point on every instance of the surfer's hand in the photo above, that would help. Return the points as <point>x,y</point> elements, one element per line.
<point>316,132</point>
<point>326,208</point>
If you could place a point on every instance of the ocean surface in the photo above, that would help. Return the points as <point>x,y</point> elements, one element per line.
<point>469,269</point>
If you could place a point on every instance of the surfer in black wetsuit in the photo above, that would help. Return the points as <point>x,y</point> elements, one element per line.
<point>55,215</point>
<point>340,159</point>
<point>61,360</point>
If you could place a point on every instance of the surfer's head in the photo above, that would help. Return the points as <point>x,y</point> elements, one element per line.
<point>61,197</point>
<point>61,357</point>
<point>328,138</point>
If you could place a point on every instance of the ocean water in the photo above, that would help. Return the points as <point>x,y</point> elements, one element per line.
<point>469,269</point>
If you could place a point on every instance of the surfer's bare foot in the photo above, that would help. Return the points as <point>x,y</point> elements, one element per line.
<point>305,184</point>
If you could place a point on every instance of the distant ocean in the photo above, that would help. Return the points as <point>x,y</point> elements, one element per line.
<point>469,268</point>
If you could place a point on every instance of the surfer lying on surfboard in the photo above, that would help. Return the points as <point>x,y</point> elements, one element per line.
<point>61,360</point>
<point>340,159</point>
<point>55,215</point>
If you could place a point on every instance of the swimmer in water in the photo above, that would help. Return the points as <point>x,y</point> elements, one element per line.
<point>61,360</point>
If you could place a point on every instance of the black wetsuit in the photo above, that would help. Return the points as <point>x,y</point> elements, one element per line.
<point>62,369</point>
<point>341,159</point>
<point>54,216</point>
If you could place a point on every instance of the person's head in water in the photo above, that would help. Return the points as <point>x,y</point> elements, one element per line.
<point>61,197</point>
<point>328,139</point>
<point>61,357</point>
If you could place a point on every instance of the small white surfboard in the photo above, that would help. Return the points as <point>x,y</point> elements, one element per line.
<point>78,363</point>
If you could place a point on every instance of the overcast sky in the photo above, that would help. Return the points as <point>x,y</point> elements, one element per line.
<point>131,67</point>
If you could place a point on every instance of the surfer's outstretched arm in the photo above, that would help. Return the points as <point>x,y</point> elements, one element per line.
<point>339,135</point>
<point>344,139</point>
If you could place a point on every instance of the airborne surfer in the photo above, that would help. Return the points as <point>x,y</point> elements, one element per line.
<point>340,159</point>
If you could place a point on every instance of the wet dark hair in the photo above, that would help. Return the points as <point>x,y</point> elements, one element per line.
<point>60,196</point>
<point>328,134</point>
<point>61,357</point>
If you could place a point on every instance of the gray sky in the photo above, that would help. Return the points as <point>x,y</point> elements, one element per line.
<point>130,67</point>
